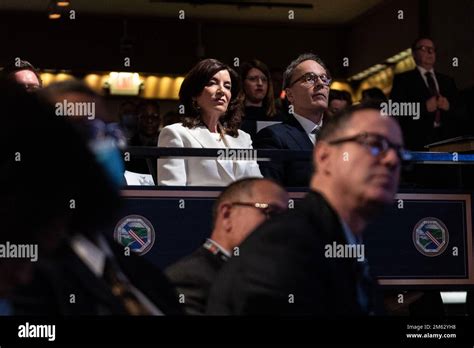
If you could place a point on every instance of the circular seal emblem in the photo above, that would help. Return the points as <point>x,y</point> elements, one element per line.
<point>136,233</point>
<point>430,236</point>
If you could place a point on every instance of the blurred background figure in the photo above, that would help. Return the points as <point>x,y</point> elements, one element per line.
<point>373,96</point>
<point>259,98</point>
<point>23,73</point>
<point>338,101</point>
<point>239,209</point>
<point>149,119</point>
<point>128,119</point>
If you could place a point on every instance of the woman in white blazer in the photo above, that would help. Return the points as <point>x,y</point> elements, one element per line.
<point>213,113</point>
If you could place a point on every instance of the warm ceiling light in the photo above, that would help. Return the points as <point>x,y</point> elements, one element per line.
<point>62,3</point>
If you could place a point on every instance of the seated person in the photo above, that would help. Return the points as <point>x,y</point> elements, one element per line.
<point>148,112</point>
<point>213,114</point>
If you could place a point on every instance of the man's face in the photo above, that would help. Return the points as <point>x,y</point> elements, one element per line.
<point>335,106</point>
<point>245,219</point>
<point>27,79</point>
<point>359,175</point>
<point>305,98</point>
<point>425,54</point>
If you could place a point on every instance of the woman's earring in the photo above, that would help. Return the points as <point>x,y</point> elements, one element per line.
<point>196,106</point>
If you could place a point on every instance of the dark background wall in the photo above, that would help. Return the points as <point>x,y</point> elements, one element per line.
<point>170,45</point>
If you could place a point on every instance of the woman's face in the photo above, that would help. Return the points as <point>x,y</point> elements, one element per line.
<point>215,97</point>
<point>255,85</point>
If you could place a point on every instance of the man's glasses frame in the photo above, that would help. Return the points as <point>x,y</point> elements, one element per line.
<point>377,144</point>
<point>428,49</point>
<point>309,79</point>
<point>269,210</point>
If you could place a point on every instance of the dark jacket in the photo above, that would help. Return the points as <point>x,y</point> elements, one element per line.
<point>288,135</point>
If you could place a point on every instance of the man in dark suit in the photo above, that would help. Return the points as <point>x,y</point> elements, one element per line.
<point>300,262</point>
<point>240,208</point>
<point>306,82</point>
<point>436,94</point>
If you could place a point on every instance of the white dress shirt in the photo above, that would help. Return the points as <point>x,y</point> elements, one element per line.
<point>309,126</point>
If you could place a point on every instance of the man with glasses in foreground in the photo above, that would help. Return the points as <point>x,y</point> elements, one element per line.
<point>240,208</point>
<point>289,265</point>
<point>306,83</point>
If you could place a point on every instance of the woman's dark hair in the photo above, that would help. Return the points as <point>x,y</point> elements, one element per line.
<point>194,84</point>
<point>269,100</point>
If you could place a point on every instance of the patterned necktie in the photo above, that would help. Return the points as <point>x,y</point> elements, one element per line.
<point>433,92</point>
<point>121,289</point>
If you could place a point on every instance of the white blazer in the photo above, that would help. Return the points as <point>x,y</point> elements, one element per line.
<point>195,171</point>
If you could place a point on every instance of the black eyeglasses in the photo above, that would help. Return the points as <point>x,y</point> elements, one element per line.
<point>270,210</point>
<point>309,79</point>
<point>427,49</point>
<point>377,144</point>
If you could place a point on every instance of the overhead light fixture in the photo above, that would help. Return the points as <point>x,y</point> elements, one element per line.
<point>54,15</point>
<point>54,11</point>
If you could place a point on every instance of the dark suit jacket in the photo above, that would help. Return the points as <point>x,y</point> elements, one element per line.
<point>64,274</point>
<point>284,261</point>
<point>410,87</point>
<point>288,135</point>
<point>193,277</point>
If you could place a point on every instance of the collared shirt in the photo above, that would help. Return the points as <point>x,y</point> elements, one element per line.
<point>94,257</point>
<point>423,71</point>
<point>212,244</point>
<point>309,126</point>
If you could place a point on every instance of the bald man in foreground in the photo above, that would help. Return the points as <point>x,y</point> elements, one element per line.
<point>240,208</point>
<point>292,264</point>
